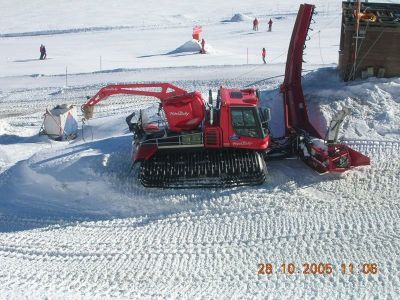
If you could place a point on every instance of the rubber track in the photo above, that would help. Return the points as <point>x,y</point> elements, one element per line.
<point>203,168</point>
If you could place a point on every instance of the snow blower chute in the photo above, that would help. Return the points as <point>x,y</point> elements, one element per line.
<point>322,156</point>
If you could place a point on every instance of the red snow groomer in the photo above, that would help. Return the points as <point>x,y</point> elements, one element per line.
<point>226,140</point>
<point>194,143</point>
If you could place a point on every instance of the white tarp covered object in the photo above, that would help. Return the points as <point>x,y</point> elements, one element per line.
<point>60,123</point>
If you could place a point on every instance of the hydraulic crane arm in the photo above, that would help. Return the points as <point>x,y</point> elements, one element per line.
<point>165,91</point>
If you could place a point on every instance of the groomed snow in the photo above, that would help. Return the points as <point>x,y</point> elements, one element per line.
<point>75,224</point>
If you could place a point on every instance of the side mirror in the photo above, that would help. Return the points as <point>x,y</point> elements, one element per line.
<point>267,114</point>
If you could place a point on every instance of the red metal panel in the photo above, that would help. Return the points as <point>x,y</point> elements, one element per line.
<point>357,158</point>
<point>144,152</point>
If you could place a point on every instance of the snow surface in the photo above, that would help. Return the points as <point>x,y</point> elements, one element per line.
<point>75,224</point>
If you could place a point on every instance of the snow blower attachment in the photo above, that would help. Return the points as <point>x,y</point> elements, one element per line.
<point>322,156</point>
<point>226,140</point>
<point>60,123</point>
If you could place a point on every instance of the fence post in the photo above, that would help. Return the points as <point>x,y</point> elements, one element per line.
<point>66,76</point>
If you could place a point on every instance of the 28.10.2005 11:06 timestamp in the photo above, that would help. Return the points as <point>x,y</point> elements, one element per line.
<point>317,268</point>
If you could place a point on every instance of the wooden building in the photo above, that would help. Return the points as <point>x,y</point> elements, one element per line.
<point>377,40</point>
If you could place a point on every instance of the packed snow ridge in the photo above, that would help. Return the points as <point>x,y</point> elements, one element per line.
<point>239,18</point>
<point>192,46</point>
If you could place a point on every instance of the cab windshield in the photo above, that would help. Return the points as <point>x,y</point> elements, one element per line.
<point>246,121</point>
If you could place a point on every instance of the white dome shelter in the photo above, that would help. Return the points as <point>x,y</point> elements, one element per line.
<point>60,123</point>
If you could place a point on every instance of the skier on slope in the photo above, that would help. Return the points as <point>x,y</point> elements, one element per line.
<point>263,54</point>
<point>255,24</point>
<point>42,52</point>
<point>270,25</point>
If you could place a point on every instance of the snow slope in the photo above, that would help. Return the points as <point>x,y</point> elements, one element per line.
<point>83,40</point>
<point>75,224</point>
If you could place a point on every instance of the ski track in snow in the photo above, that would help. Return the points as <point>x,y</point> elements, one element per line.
<point>184,255</point>
<point>188,243</point>
<point>181,255</point>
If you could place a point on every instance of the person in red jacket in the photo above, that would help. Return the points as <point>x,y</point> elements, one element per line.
<point>263,54</point>
<point>270,25</point>
<point>255,24</point>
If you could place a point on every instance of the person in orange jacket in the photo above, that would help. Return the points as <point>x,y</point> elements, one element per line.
<point>270,25</point>
<point>264,54</point>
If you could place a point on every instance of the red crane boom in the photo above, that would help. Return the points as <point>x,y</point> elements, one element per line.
<point>166,90</point>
